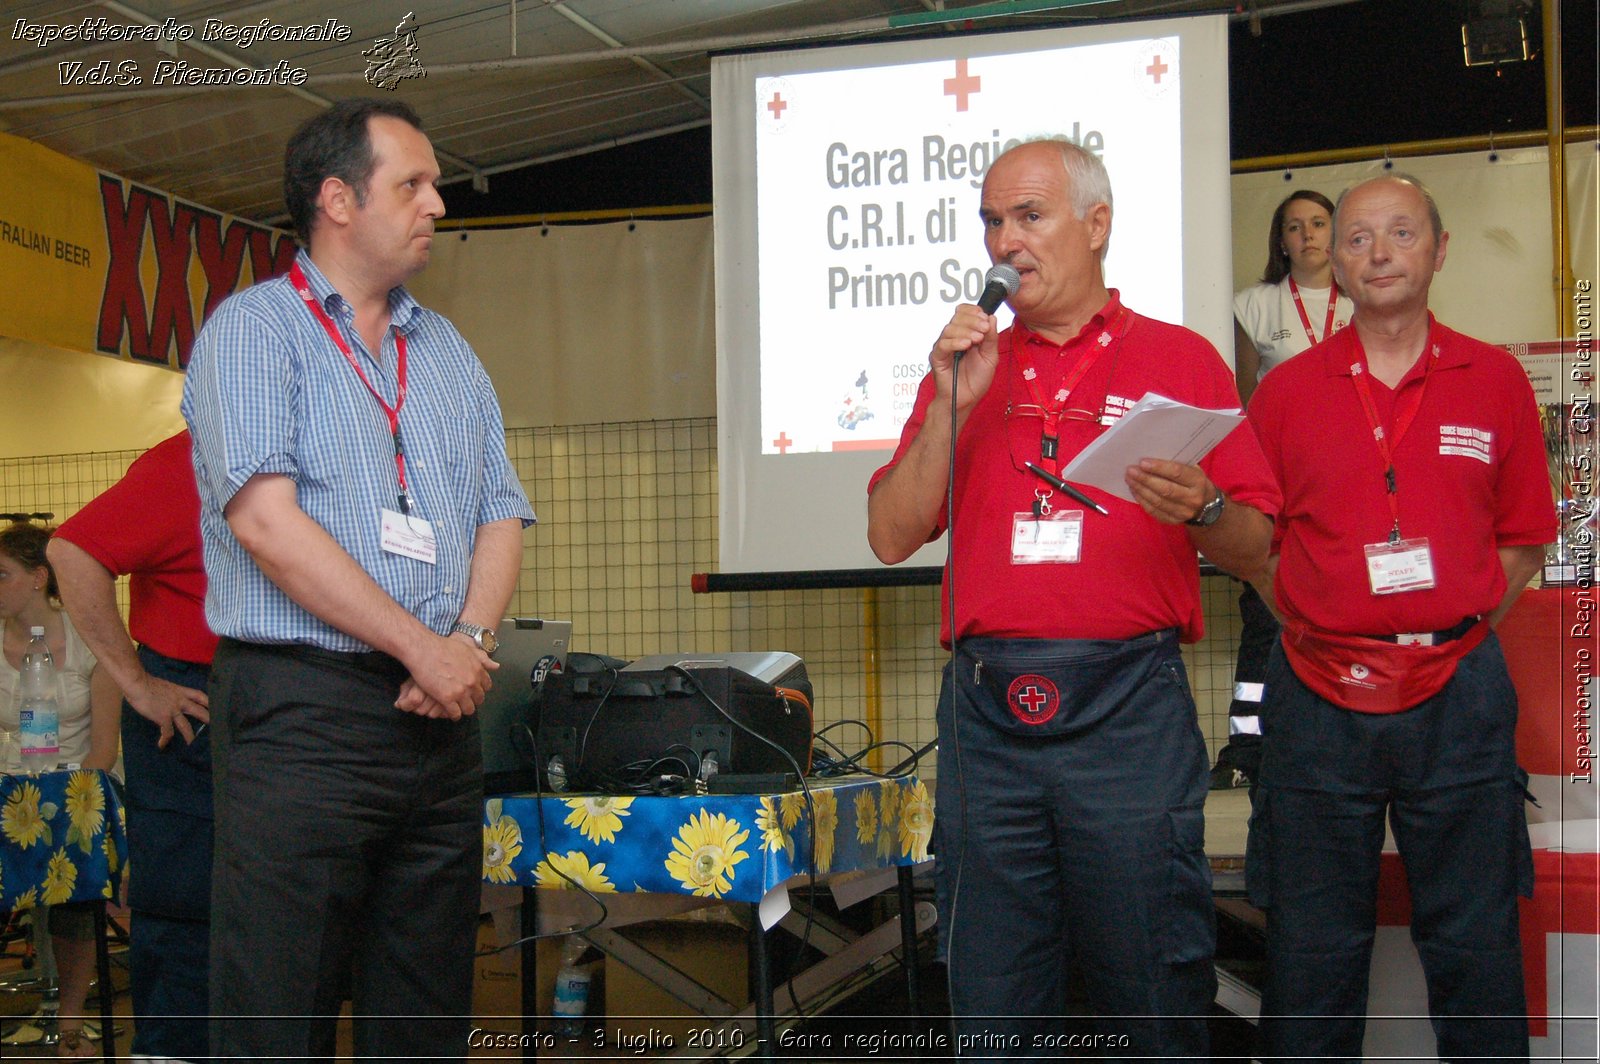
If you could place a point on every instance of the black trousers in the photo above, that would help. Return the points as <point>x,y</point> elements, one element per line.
<point>1444,775</point>
<point>1076,844</point>
<point>169,846</point>
<point>348,859</point>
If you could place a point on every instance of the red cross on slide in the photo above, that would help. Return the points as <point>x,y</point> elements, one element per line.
<point>783,443</point>
<point>777,105</point>
<point>962,86</point>
<point>1156,69</point>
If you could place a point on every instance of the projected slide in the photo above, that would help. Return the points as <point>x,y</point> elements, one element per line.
<point>868,182</point>
<point>847,183</point>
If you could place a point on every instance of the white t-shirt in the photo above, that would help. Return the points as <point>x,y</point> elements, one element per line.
<point>74,672</point>
<point>1267,314</point>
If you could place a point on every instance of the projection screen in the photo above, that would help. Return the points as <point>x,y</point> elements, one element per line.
<point>846,184</point>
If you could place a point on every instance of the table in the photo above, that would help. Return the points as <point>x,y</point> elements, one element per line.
<point>741,848</point>
<point>63,838</point>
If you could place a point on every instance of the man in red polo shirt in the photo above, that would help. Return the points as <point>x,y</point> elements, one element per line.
<point>147,526</point>
<point>1072,772</point>
<point>1416,505</point>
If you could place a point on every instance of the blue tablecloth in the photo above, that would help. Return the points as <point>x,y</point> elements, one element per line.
<point>63,837</point>
<point>733,847</point>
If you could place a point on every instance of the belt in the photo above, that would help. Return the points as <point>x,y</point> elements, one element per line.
<point>1429,639</point>
<point>370,661</point>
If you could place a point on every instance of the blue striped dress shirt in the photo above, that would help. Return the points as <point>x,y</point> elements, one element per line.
<point>268,392</point>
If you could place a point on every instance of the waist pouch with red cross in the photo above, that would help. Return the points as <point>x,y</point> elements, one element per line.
<point>1375,675</point>
<point>1056,687</point>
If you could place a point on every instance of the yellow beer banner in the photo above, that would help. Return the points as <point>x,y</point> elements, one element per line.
<point>91,262</point>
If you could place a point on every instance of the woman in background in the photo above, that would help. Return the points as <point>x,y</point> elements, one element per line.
<point>90,714</point>
<point>1296,304</point>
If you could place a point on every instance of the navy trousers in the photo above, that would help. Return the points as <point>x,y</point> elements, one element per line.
<point>1445,775</point>
<point>169,891</point>
<point>1074,842</point>
<point>349,849</point>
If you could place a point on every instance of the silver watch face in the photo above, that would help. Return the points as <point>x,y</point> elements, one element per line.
<point>1210,513</point>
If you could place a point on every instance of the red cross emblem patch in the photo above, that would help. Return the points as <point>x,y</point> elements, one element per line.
<point>1033,699</point>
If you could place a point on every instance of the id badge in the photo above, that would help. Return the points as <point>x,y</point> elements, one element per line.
<point>1052,537</point>
<point>409,537</point>
<point>1403,566</point>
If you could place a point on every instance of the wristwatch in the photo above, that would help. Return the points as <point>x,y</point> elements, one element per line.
<point>1210,512</point>
<point>487,641</point>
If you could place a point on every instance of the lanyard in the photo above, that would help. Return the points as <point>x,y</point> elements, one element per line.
<point>1404,415</point>
<point>297,278</point>
<point>1299,305</point>
<point>1050,436</point>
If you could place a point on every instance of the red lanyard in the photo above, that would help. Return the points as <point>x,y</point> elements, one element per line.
<point>297,278</point>
<point>1299,305</point>
<point>1404,415</point>
<point>1050,437</point>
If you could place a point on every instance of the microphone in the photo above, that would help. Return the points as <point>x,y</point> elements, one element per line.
<point>1001,282</point>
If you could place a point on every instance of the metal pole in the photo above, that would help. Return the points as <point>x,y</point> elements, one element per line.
<point>1556,160</point>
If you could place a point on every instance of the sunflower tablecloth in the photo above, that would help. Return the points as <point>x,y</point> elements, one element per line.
<point>62,838</point>
<point>730,846</point>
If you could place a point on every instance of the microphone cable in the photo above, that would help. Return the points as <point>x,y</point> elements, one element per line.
<point>1001,282</point>
<point>955,706</point>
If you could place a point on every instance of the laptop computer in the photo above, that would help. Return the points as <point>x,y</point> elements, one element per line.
<point>529,649</point>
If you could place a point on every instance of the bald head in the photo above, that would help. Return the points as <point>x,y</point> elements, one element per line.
<point>1388,244</point>
<point>1434,221</point>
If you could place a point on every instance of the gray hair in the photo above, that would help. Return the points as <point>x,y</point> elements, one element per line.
<point>1086,173</point>
<point>1405,179</point>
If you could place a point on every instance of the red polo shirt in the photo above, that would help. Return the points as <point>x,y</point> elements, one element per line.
<point>1470,475</point>
<point>1135,574</point>
<point>148,525</point>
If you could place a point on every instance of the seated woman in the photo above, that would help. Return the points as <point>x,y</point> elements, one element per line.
<point>90,713</point>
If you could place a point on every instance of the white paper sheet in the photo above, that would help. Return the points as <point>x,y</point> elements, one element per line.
<point>1154,427</point>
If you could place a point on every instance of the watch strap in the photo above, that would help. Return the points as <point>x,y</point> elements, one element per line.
<point>1210,513</point>
<point>475,632</point>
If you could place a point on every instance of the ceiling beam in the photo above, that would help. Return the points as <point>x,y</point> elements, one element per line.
<point>639,61</point>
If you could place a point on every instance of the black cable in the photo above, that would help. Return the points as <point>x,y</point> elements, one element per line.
<point>863,725</point>
<point>955,692</point>
<point>912,761</point>
<point>544,851</point>
<point>644,776</point>
<point>811,817</point>
<point>849,764</point>
<point>583,743</point>
<point>544,846</point>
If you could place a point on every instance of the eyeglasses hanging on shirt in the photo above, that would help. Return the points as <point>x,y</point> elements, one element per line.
<point>1044,533</point>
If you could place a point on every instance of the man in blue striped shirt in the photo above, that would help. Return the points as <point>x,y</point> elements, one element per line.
<point>362,527</point>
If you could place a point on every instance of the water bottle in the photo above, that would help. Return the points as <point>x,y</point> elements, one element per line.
<point>39,707</point>
<point>572,990</point>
